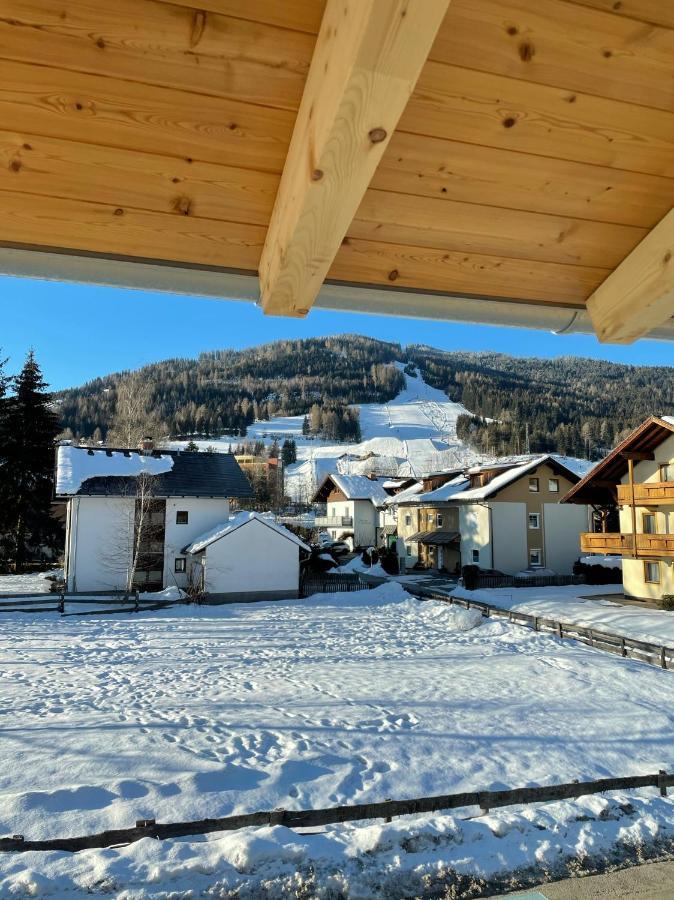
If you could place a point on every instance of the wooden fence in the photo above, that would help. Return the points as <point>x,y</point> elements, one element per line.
<point>655,654</point>
<point>501,581</point>
<point>326,583</point>
<point>303,818</point>
<point>112,601</point>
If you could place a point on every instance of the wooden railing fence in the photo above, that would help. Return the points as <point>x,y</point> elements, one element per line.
<point>302,818</point>
<point>655,654</point>
<point>326,583</point>
<point>113,601</point>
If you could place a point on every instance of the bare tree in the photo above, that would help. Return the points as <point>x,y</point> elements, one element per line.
<point>134,417</point>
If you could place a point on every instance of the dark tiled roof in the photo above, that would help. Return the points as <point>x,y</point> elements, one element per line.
<point>192,475</point>
<point>434,537</point>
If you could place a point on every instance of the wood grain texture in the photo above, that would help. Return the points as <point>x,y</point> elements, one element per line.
<point>142,181</point>
<point>457,171</point>
<point>639,294</point>
<point>367,59</point>
<point>217,55</point>
<point>101,110</point>
<point>391,265</point>
<point>655,12</point>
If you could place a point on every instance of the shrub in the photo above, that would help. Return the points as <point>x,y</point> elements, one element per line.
<point>667,602</point>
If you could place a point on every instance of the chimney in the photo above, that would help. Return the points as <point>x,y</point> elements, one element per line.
<point>147,445</point>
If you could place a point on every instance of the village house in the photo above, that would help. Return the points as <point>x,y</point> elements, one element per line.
<point>355,507</point>
<point>182,496</point>
<point>632,494</point>
<point>247,557</point>
<point>504,516</point>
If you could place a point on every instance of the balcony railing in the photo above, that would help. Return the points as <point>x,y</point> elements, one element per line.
<point>647,545</point>
<point>647,493</point>
<point>334,521</point>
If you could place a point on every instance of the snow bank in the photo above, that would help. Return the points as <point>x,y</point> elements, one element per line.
<point>169,594</point>
<point>357,565</point>
<point>608,562</point>
<point>76,464</point>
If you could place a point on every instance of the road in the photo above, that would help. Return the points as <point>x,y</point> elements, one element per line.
<point>652,881</point>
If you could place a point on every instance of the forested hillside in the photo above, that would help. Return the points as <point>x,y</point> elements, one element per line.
<point>569,405</point>
<point>226,390</point>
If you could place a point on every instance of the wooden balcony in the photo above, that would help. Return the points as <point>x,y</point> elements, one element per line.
<point>647,545</point>
<point>334,521</point>
<point>650,493</point>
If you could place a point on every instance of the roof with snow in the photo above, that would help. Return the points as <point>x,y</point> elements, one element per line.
<point>595,486</point>
<point>240,520</point>
<point>354,487</point>
<point>458,488</point>
<point>82,471</point>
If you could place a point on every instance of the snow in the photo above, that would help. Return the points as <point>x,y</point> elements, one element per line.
<point>576,604</point>
<point>76,464</point>
<point>357,565</point>
<point>192,712</point>
<point>360,487</point>
<point>32,583</point>
<point>498,482</point>
<point>413,434</point>
<point>237,521</point>
<point>608,562</point>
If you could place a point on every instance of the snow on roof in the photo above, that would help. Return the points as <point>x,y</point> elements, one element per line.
<point>360,487</point>
<point>237,521</point>
<point>668,419</point>
<point>409,493</point>
<point>75,465</point>
<point>448,490</point>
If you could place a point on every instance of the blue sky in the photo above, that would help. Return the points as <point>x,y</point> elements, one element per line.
<point>79,332</point>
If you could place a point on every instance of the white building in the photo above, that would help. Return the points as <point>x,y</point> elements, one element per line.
<point>247,557</point>
<point>184,495</point>
<point>353,507</point>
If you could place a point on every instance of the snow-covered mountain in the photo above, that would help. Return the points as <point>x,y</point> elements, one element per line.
<point>413,434</point>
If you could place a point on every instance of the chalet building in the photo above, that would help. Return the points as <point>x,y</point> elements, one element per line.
<point>184,495</point>
<point>632,494</point>
<point>504,516</point>
<point>355,507</point>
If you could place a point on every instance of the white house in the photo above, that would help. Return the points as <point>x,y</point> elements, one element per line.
<point>353,506</point>
<point>179,494</point>
<point>247,557</point>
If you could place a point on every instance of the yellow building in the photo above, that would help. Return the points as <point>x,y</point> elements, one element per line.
<point>637,478</point>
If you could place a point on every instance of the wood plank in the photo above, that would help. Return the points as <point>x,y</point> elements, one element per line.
<point>118,113</point>
<point>496,111</point>
<point>561,44</point>
<point>161,44</point>
<point>165,45</point>
<point>639,294</point>
<point>444,224</point>
<point>367,59</point>
<point>391,265</point>
<point>72,170</point>
<point>301,15</point>
<point>656,12</point>
<point>108,230</point>
<point>457,171</point>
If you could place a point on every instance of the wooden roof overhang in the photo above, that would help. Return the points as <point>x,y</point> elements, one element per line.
<point>597,488</point>
<point>503,161</point>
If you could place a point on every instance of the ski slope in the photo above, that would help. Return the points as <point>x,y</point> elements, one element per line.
<point>413,434</point>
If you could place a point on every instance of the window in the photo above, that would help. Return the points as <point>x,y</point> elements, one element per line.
<point>408,519</point>
<point>408,548</point>
<point>440,520</point>
<point>533,485</point>
<point>180,565</point>
<point>534,520</point>
<point>652,572</point>
<point>182,517</point>
<point>553,485</point>
<point>535,558</point>
<point>430,518</point>
<point>650,523</point>
<point>667,472</point>
<point>476,556</point>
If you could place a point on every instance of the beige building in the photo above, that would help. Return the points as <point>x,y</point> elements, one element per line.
<point>505,516</point>
<point>637,479</point>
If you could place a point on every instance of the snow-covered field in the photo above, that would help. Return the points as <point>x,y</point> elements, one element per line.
<point>577,604</point>
<point>187,713</point>
<point>411,435</point>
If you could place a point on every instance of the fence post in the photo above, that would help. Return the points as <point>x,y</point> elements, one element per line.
<point>535,623</point>
<point>662,782</point>
<point>623,648</point>
<point>62,604</point>
<point>663,660</point>
<point>560,633</point>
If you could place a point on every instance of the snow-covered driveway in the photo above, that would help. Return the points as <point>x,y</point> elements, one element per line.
<point>188,713</point>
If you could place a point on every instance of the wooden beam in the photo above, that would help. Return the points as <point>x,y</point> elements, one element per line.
<point>368,56</point>
<point>639,295</point>
<point>637,455</point>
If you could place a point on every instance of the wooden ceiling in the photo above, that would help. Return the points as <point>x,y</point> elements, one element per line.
<point>531,164</point>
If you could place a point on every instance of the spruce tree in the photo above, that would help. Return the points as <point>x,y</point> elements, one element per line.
<point>29,427</point>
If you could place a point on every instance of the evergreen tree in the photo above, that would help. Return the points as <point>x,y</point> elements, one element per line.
<point>191,447</point>
<point>289,452</point>
<point>29,427</point>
